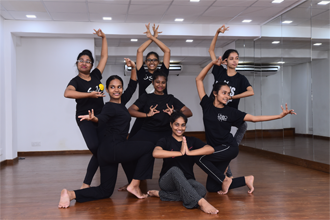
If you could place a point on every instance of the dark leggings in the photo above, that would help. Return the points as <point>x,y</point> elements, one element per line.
<point>110,154</point>
<point>216,164</point>
<point>90,132</point>
<point>143,135</point>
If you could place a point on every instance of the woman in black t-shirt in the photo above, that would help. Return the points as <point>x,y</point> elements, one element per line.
<point>218,119</point>
<point>87,89</point>
<point>177,181</point>
<point>114,147</point>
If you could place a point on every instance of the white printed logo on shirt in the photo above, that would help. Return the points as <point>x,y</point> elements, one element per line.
<point>97,89</point>
<point>147,78</point>
<point>222,117</point>
<point>232,91</point>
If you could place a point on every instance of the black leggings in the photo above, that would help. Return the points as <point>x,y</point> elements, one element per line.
<point>90,132</point>
<point>215,165</point>
<point>112,152</point>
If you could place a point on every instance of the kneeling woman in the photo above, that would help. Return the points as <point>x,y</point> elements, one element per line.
<point>218,119</point>
<point>114,147</point>
<point>177,181</point>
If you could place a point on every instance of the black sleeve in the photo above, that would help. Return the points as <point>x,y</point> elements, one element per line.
<point>165,70</point>
<point>245,83</point>
<point>177,104</point>
<point>73,82</point>
<point>162,143</point>
<point>205,102</point>
<point>140,73</point>
<point>127,95</point>
<point>196,143</point>
<point>216,71</point>
<point>106,113</point>
<point>142,101</point>
<point>97,73</point>
<point>238,116</point>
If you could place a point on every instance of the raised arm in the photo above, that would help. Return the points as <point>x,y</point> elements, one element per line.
<point>260,118</point>
<point>201,76</point>
<point>71,92</point>
<point>222,29</point>
<point>160,153</point>
<point>134,111</point>
<point>104,50</point>
<point>131,63</point>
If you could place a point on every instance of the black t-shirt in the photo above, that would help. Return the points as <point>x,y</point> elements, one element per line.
<point>115,117</point>
<point>145,78</point>
<point>185,163</point>
<point>218,121</point>
<point>161,120</point>
<point>237,83</point>
<point>81,85</point>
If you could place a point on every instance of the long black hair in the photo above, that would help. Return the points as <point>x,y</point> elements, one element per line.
<point>228,52</point>
<point>217,86</point>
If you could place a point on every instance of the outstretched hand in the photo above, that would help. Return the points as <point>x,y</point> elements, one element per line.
<point>155,29</point>
<point>129,62</point>
<point>99,33</point>
<point>148,33</point>
<point>153,111</point>
<point>222,29</point>
<point>169,110</point>
<point>88,117</point>
<point>286,111</point>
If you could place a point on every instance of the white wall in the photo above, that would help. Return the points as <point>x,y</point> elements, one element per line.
<point>2,94</point>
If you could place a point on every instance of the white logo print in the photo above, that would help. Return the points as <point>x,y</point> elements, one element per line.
<point>232,90</point>
<point>147,78</point>
<point>222,117</point>
<point>97,89</point>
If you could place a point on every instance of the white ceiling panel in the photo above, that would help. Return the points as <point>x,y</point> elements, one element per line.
<point>147,9</point>
<point>188,3</point>
<point>268,3</point>
<point>67,7</point>
<point>297,13</point>
<point>107,8</point>
<point>98,17</point>
<point>264,12</point>
<point>187,19</point>
<point>6,15</point>
<point>153,2</point>
<point>117,2</point>
<point>212,20</point>
<point>229,3</point>
<point>70,17</point>
<point>224,11</point>
<point>181,11</point>
<point>255,20</point>
<point>23,6</point>
<point>144,19</point>
<point>21,15</point>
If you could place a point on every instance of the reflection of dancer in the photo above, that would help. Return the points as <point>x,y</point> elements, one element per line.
<point>177,181</point>
<point>87,89</point>
<point>239,85</point>
<point>218,118</point>
<point>115,148</point>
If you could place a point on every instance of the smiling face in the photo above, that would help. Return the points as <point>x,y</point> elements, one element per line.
<point>84,64</point>
<point>159,84</point>
<point>115,89</point>
<point>178,127</point>
<point>152,62</point>
<point>232,60</point>
<point>223,95</point>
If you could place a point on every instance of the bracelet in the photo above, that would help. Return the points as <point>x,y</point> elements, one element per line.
<point>133,68</point>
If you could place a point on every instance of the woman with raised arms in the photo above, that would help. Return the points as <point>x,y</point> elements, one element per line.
<point>218,119</point>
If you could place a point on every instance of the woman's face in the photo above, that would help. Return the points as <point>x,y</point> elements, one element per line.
<point>159,84</point>
<point>84,64</point>
<point>232,60</point>
<point>178,127</point>
<point>223,95</point>
<point>115,89</point>
<point>152,62</point>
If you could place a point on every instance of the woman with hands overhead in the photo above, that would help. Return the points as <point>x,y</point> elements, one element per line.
<point>218,119</point>
<point>86,88</point>
<point>177,181</point>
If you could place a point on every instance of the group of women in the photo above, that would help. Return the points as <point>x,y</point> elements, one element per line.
<point>159,128</point>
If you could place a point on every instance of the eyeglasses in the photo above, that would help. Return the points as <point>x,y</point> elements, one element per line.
<point>152,60</point>
<point>84,61</point>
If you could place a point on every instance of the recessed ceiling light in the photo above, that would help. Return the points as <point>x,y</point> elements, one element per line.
<point>277,1</point>
<point>194,0</point>
<point>179,19</point>
<point>275,42</point>
<point>317,44</point>
<point>134,40</point>
<point>286,22</point>
<point>280,62</point>
<point>189,41</point>
<point>107,18</point>
<point>323,2</point>
<point>246,21</point>
<point>31,16</point>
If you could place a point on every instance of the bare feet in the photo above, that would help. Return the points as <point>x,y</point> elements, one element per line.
<point>123,188</point>
<point>84,186</point>
<point>64,200</point>
<point>134,188</point>
<point>153,193</point>
<point>249,182</point>
<point>225,185</point>
<point>206,207</point>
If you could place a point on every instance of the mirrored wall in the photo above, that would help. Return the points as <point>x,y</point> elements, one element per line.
<point>291,65</point>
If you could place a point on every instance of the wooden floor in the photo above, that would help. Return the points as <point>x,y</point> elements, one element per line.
<point>31,190</point>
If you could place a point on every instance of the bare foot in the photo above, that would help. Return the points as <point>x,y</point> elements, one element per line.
<point>206,207</point>
<point>123,188</point>
<point>249,182</point>
<point>85,186</point>
<point>64,200</point>
<point>153,193</point>
<point>136,191</point>
<point>225,185</point>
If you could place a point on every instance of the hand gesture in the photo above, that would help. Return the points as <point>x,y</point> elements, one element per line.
<point>129,62</point>
<point>156,32</point>
<point>286,111</point>
<point>99,33</point>
<point>184,148</point>
<point>222,29</point>
<point>96,95</point>
<point>153,111</point>
<point>169,110</point>
<point>88,117</point>
<point>148,34</point>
